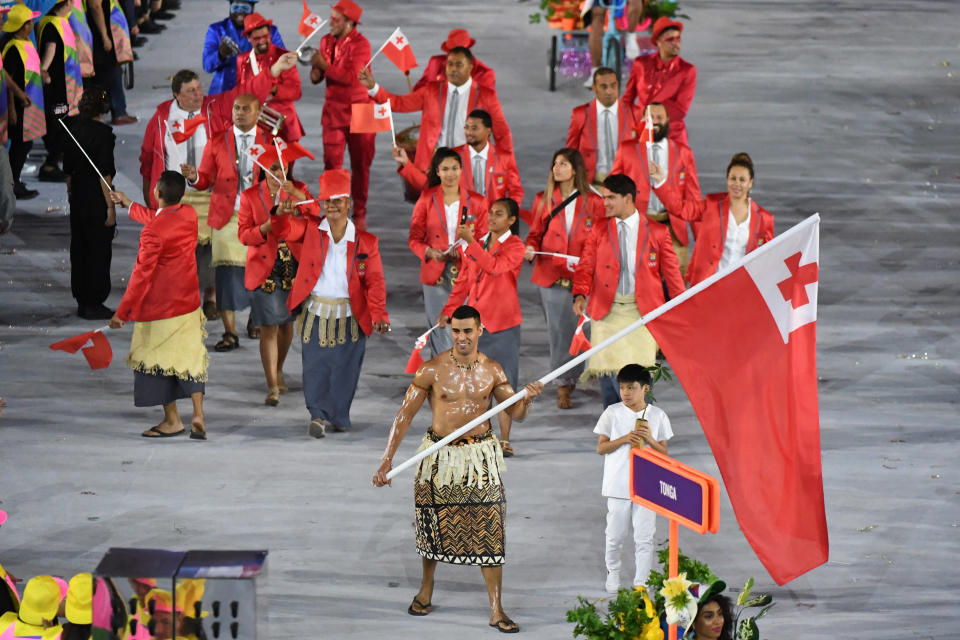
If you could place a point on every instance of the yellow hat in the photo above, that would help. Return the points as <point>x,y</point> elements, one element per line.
<point>162,599</point>
<point>79,607</point>
<point>189,593</point>
<point>41,600</point>
<point>18,16</point>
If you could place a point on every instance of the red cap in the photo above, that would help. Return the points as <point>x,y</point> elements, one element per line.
<point>350,9</point>
<point>458,38</point>
<point>662,24</point>
<point>253,22</point>
<point>334,183</point>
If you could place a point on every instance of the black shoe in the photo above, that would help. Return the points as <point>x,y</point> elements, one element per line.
<point>94,312</point>
<point>22,193</point>
<point>170,5</point>
<point>150,26</point>
<point>51,173</point>
<point>162,15</point>
<point>138,41</point>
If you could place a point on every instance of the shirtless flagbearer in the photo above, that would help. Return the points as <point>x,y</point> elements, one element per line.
<point>458,492</point>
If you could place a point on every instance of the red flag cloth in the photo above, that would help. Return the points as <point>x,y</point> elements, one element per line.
<point>291,151</point>
<point>98,355</point>
<point>579,344</point>
<point>416,359</point>
<point>744,348</point>
<point>72,345</point>
<point>370,118</point>
<point>309,22</point>
<point>184,130</point>
<point>397,48</point>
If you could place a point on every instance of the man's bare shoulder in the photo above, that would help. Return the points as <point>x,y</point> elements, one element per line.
<point>492,367</point>
<point>429,372</point>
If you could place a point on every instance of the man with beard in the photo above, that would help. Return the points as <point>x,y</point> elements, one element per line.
<point>225,42</point>
<point>676,161</point>
<point>598,127</point>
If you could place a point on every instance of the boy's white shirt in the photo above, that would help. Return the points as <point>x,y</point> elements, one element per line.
<point>616,421</point>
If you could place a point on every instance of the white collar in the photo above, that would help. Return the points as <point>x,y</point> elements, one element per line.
<point>483,154</point>
<point>350,235</point>
<point>501,239</point>
<point>464,88</point>
<point>237,133</point>
<point>612,108</point>
<point>176,110</point>
<point>632,221</point>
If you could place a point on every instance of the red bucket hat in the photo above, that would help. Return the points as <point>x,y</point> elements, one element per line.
<point>255,21</point>
<point>350,9</point>
<point>458,38</point>
<point>334,183</point>
<point>662,24</point>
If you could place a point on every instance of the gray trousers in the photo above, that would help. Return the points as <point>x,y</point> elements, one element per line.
<point>504,348</point>
<point>330,376</point>
<point>434,300</point>
<point>561,325</point>
<point>8,202</point>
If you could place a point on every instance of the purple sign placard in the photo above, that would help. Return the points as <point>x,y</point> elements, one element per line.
<point>669,490</point>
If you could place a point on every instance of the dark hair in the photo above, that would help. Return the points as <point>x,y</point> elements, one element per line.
<point>634,373</point>
<point>513,209</point>
<point>462,51</point>
<point>170,187</point>
<point>483,116</point>
<point>441,154</point>
<point>605,71</point>
<point>663,31</point>
<point>181,78</point>
<point>73,631</point>
<point>741,160</point>
<point>465,312</point>
<point>621,185</point>
<point>726,608</point>
<point>94,102</point>
<point>580,181</point>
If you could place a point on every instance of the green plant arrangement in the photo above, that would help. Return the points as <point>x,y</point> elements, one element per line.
<point>652,9</point>
<point>658,371</point>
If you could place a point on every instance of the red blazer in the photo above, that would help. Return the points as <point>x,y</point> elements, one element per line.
<point>431,99</point>
<point>285,93</point>
<point>503,176</point>
<point>553,236</point>
<point>255,207</point>
<point>598,273</point>
<point>713,214</point>
<point>673,83</point>
<point>347,56</point>
<point>218,168</point>
<point>218,109</point>
<point>428,227</point>
<point>368,289</point>
<point>489,284</point>
<point>437,70</point>
<point>164,280</point>
<point>582,134</point>
<point>681,174</point>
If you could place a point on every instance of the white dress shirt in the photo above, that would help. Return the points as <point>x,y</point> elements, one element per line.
<point>176,154</point>
<point>633,229</point>
<point>245,163</point>
<point>459,137</point>
<point>663,161</point>
<point>570,212</point>
<point>500,240</point>
<point>735,243</point>
<point>484,154</point>
<point>333,282</point>
<point>452,213</point>
<point>604,164</point>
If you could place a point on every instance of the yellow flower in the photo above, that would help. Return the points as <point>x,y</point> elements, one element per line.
<point>679,604</point>
<point>651,630</point>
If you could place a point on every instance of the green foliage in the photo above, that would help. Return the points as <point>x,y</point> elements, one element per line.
<point>624,620</point>
<point>696,572</point>
<point>652,9</point>
<point>745,594</point>
<point>658,371</point>
<point>747,630</point>
<point>746,627</point>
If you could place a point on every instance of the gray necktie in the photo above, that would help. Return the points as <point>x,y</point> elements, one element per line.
<point>244,160</point>
<point>610,144</point>
<point>452,118</point>
<point>654,205</point>
<point>191,145</point>
<point>623,286</point>
<point>479,171</point>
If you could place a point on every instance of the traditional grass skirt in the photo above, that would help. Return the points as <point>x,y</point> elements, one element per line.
<point>170,348</point>
<point>638,347</point>
<point>461,505</point>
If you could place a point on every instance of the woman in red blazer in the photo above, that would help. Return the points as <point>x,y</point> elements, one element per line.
<point>561,229</point>
<point>731,224</point>
<point>442,207</point>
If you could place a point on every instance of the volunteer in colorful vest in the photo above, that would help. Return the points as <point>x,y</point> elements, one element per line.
<point>488,282</point>
<point>729,225</point>
<point>111,48</point>
<point>342,295</point>
<point>92,214</point>
<point>167,354</point>
<point>224,40</point>
<point>259,60</point>
<point>436,66</point>
<point>620,273</point>
<point>21,66</point>
<point>9,596</point>
<point>561,224</point>
<point>83,35</point>
<point>62,84</point>
<point>338,60</point>
<point>38,612</point>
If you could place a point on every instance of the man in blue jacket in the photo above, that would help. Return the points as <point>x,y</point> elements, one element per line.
<point>224,41</point>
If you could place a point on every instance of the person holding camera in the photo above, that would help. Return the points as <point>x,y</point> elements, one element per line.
<point>225,41</point>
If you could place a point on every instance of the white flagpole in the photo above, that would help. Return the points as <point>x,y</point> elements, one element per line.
<point>656,313</point>
<point>379,50</point>
<point>297,204</point>
<point>312,33</point>
<point>393,135</point>
<point>269,173</point>
<point>558,255</point>
<point>102,179</point>
<point>283,171</point>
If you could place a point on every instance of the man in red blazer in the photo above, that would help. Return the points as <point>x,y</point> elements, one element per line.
<point>264,53</point>
<point>436,66</point>
<point>166,352</point>
<point>663,76</point>
<point>343,294</point>
<point>598,136</point>
<point>338,60</point>
<point>445,105</point>
<point>619,278</point>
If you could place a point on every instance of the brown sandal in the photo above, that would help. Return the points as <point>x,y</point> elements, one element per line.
<point>507,449</point>
<point>273,397</point>
<point>228,342</point>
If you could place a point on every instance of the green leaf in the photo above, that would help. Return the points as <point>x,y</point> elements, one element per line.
<point>763,611</point>
<point>534,18</point>
<point>745,594</point>
<point>748,630</point>
<point>759,601</point>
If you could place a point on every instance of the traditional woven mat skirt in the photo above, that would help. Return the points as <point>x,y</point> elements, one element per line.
<point>637,348</point>
<point>169,358</point>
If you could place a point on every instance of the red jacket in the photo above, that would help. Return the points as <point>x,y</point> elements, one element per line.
<point>218,109</point>
<point>553,236</point>
<point>347,56</point>
<point>488,283</point>
<point>219,169</point>
<point>437,70</point>
<point>503,176</point>
<point>598,273</point>
<point>582,134</point>
<point>428,227</point>
<point>673,83</point>
<point>368,289</point>
<point>431,99</point>
<point>681,174</point>
<point>164,280</point>
<point>285,93</point>
<point>713,214</point>
<point>255,207</point>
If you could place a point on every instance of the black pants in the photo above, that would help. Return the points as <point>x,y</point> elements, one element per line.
<point>91,250</point>
<point>54,138</point>
<point>18,148</point>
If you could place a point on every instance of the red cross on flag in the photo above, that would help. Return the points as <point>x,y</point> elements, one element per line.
<point>309,22</point>
<point>370,117</point>
<point>184,129</point>
<point>397,48</point>
<point>743,344</point>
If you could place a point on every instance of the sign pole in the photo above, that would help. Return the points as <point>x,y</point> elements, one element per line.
<point>673,566</point>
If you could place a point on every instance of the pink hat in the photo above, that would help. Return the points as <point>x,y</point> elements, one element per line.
<point>334,183</point>
<point>3,516</point>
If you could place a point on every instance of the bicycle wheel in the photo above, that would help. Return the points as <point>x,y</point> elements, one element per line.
<point>613,55</point>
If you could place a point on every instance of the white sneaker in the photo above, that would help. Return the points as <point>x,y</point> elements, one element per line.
<point>613,582</point>
<point>589,81</point>
<point>317,429</point>
<point>631,47</point>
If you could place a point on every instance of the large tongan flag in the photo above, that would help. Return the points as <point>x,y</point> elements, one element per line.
<point>743,345</point>
<point>397,48</point>
<point>309,21</point>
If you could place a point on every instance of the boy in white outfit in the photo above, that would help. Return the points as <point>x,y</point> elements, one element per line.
<point>627,424</point>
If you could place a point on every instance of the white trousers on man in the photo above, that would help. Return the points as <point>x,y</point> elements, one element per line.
<point>621,513</point>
